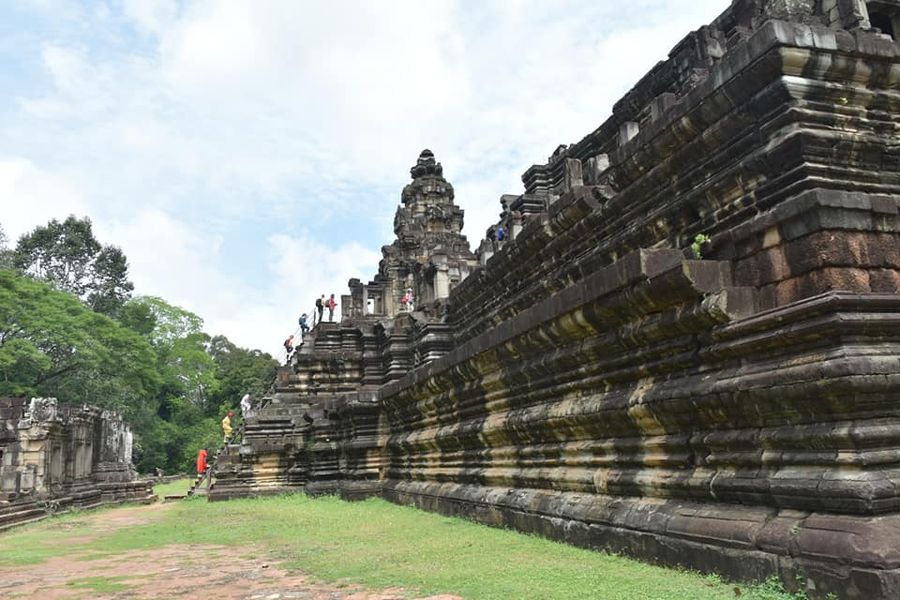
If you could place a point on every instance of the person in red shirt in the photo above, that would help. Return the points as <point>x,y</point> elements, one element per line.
<point>201,461</point>
<point>331,304</point>
<point>288,348</point>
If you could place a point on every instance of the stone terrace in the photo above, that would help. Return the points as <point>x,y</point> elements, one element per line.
<point>590,378</point>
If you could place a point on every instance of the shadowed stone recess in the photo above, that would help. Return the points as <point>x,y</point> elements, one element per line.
<point>588,378</point>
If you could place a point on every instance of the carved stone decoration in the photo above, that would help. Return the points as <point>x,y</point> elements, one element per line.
<point>426,165</point>
<point>426,223</point>
<point>790,9</point>
<point>436,213</point>
<point>42,410</point>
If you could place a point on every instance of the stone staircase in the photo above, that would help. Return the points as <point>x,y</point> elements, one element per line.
<point>20,513</point>
<point>202,483</point>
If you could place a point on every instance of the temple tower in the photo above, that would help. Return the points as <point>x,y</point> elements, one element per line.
<point>430,255</point>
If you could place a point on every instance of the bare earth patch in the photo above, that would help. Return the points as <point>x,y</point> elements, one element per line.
<point>198,571</point>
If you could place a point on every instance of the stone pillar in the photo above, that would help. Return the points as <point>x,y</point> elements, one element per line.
<point>628,130</point>
<point>853,14</point>
<point>485,251</point>
<point>515,225</point>
<point>387,302</point>
<point>594,167</point>
<point>441,283</point>
<point>128,448</point>
<point>574,177</point>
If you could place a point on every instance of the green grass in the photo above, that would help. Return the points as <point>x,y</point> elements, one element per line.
<point>378,544</point>
<point>36,543</point>
<point>179,486</point>
<point>101,585</point>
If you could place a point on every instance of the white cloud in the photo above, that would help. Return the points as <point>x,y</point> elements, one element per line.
<point>303,269</point>
<point>172,259</point>
<point>169,258</point>
<point>218,128</point>
<point>30,196</point>
<point>152,16</point>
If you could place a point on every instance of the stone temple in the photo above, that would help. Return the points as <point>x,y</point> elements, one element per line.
<point>55,457</point>
<point>731,407</point>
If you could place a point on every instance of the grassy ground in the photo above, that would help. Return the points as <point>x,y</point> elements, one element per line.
<point>380,545</point>
<point>179,486</point>
<point>99,584</point>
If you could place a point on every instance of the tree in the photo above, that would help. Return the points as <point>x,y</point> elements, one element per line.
<point>68,256</point>
<point>171,322</point>
<point>177,336</point>
<point>185,403</point>
<point>6,255</point>
<point>52,345</point>
<point>240,370</point>
<point>154,364</point>
<point>109,286</point>
<point>137,316</point>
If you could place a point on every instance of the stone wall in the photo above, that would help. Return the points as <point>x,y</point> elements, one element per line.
<point>53,457</point>
<point>596,382</point>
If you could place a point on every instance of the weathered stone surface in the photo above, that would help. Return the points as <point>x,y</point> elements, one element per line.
<point>595,382</point>
<point>53,457</point>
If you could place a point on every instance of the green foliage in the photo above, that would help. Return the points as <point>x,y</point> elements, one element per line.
<point>155,443</point>
<point>137,316</point>
<point>771,589</point>
<point>187,377</point>
<point>6,255</point>
<point>188,370</point>
<point>100,584</point>
<point>52,345</point>
<point>697,244</point>
<point>153,363</point>
<point>170,323</point>
<point>240,371</point>
<point>200,378</point>
<point>185,428</point>
<point>69,256</point>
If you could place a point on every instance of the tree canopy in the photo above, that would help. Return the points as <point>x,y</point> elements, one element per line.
<point>152,362</point>
<point>6,255</point>
<point>53,345</point>
<point>200,377</point>
<point>68,256</point>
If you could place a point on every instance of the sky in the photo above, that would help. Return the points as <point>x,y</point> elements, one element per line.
<point>249,155</point>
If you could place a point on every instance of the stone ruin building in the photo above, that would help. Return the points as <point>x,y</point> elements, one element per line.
<point>593,379</point>
<point>54,457</point>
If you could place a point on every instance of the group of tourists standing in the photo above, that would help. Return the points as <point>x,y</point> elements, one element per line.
<point>321,305</point>
<point>318,316</point>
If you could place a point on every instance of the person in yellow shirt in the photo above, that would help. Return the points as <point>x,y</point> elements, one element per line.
<point>226,426</point>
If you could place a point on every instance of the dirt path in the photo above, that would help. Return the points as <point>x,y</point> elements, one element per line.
<point>169,572</point>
